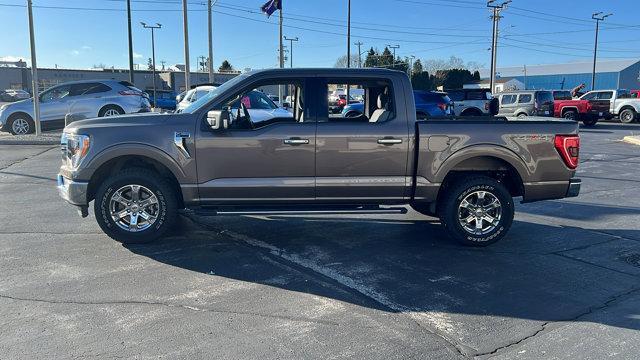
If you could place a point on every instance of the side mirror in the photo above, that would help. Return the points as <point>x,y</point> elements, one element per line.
<point>218,119</point>
<point>494,106</point>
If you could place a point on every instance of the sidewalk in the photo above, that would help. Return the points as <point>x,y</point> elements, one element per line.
<point>632,139</point>
<point>46,138</point>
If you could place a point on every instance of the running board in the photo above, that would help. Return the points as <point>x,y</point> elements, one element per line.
<point>301,211</point>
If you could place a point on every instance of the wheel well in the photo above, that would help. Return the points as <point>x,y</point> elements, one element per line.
<point>13,116</point>
<point>629,107</point>
<point>132,161</point>
<point>522,113</point>
<point>111,105</point>
<point>473,110</point>
<point>493,167</point>
<point>565,109</point>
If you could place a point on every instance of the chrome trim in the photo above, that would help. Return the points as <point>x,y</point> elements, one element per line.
<point>574,188</point>
<point>389,141</point>
<point>296,141</point>
<point>74,192</point>
<point>178,140</point>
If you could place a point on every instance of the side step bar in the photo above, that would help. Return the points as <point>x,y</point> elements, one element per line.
<point>359,210</point>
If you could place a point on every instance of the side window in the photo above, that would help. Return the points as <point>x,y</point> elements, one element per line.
<point>457,95</point>
<point>55,94</point>
<point>373,102</point>
<point>476,95</point>
<point>589,96</point>
<point>80,89</point>
<point>524,98</point>
<point>97,88</point>
<point>508,99</point>
<point>253,108</point>
<point>605,95</point>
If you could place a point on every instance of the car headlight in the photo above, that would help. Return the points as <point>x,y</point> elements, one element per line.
<point>74,149</point>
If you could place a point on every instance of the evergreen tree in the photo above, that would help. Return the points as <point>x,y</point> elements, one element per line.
<point>226,66</point>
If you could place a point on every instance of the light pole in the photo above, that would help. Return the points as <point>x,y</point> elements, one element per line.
<point>153,56</point>
<point>496,8</point>
<point>597,17</point>
<point>185,25</point>
<point>34,70</point>
<point>130,41</point>
<point>291,40</point>
<point>394,47</point>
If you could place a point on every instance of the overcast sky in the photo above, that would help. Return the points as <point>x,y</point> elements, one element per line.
<point>535,31</point>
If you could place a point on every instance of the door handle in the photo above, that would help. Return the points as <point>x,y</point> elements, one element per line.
<point>296,141</point>
<point>389,141</point>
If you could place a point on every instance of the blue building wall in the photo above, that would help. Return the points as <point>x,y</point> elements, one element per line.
<point>630,77</point>
<point>608,80</point>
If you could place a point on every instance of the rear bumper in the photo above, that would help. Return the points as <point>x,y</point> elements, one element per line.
<point>574,188</point>
<point>74,192</point>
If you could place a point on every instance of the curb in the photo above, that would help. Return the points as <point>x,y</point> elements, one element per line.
<point>635,140</point>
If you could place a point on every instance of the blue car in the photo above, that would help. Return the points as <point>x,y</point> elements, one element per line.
<point>166,99</point>
<point>428,104</point>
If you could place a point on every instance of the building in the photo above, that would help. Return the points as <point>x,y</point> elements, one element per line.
<point>502,84</point>
<point>617,74</point>
<point>20,78</point>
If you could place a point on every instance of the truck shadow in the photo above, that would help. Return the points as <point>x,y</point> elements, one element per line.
<point>393,264</point>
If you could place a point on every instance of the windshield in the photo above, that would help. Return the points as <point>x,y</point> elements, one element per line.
<point>213,93</point>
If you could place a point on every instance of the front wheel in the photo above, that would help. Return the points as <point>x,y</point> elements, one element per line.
<point>570,115</point>
<point>135,206</point>
<point>477,211</point>
<point>21,124</point>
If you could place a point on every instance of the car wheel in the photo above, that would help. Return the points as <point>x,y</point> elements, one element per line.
<point>21,124</point>
<point>477,211</point>
<point>135,206</point>
<point>570,115</point>
<point>522,116</point>
<point>590,121</point>
<point>110,110</point>
<point>627,116</point>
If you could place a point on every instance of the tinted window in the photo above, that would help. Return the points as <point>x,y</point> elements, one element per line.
<point>430,98</point>
<point>544,97</point>
<point>508,99</point>
<point>605,95</point>
<point>56,93</point>
<point>562,95</point>
<point>97,88</point>
<point>524,98</point>
<point>477,95</point>
<point>456,95</point>
<point>589,96</point>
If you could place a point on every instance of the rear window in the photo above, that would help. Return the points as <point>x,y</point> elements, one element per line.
<point>508,99</point>
<point>524,98</point>
<point>562,95</point>
<point>544,97</point>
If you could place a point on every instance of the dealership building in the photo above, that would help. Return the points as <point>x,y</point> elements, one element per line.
<point>617,74</point>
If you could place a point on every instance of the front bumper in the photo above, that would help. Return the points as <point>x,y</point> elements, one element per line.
<point>74,192</point>
<point>574,187</point>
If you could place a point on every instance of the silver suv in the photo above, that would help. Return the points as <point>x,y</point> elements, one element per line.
<point>83,99</point>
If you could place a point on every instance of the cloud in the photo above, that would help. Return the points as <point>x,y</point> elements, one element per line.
<point>137,56</point>
<point>75,52</point>
<point>86,48</point>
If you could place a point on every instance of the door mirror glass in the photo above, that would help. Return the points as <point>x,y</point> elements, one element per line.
<point>218,119</point>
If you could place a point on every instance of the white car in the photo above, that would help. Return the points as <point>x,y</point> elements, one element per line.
<point>194,94</point>
<point>260,107</point>
<point>14,95</point>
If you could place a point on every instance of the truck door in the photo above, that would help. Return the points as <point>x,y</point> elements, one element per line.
<point>269,159</point>
<point>600,101</point>
<point>364,158</point>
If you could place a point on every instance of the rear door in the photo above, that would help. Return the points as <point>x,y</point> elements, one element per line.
<point>508,104</point>
<point>86,99</point>
<point>364,159</point>
<point>54,106</point>
<point>601,102</point>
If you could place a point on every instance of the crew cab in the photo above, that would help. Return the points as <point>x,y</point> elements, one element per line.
<point>614,103</point>
<point>208,160</point>
<point>577,110</point>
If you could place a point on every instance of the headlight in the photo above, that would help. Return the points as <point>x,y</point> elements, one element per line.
<point>74,149</point>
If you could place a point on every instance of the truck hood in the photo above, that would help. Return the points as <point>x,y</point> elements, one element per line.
<point>123,121</point>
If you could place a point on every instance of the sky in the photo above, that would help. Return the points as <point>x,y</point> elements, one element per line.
<point>83,33</point>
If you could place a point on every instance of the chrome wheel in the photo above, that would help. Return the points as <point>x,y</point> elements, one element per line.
<point>479,212</point>
<point>134,208</point>
<point>111,112</point>
<point>20,126</point>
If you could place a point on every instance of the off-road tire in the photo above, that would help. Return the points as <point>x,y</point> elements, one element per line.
<point>448,208</point>
<point>161,188</point>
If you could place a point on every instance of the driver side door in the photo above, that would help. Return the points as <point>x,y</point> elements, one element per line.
<point>272,162</point>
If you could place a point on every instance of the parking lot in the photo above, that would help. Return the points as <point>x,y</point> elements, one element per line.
<point>564,283</point>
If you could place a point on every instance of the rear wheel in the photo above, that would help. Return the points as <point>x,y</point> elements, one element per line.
<point>570,115</point>
<point>627,116</point>
<point>476,211</point>
<point>135,206</point>
<point>21,124</point>
<point>110,110</point>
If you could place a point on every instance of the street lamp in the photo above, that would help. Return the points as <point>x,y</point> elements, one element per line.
<point>291,40</point>
<point>394,47</point>
<point>597,17</point>
<point>153,56</point>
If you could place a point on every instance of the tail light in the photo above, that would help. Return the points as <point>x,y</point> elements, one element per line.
<point>443,106</point>
<point>568,146</point>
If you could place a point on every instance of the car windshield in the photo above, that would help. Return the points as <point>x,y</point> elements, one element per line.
<point>213,93</point>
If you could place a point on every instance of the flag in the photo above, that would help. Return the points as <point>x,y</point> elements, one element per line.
<point>271,6</point>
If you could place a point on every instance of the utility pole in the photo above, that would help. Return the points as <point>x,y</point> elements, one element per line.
<point>34,70</point>
<point>411,67</point>
<point>163,63</point>
<point>291,40</point>
<point>597,17</point>
<point>130,41</point>
<point>394,47</point>
<point>210,61</point>
<point>496,8</point>
<point>153,57</point>
<point>525,76</point>
<point>358,44</point>
<point>185,24</point>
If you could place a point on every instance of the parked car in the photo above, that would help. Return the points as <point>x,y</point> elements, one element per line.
<point>522,103</point>
<point>470,102</point>
<point>193,95</point>
<point>614,103</point>
<point>11,95</point>
<point>83,99</point>
<point>466,173</point>
<point>428,104</point>
<point>166,99</point>
<point>577,110</point>
<point>260,108</point>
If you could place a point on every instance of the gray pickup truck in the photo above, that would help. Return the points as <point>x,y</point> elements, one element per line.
<point>213,158</point>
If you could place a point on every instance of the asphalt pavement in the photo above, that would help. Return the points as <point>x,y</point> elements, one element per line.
<point>564,283</point>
